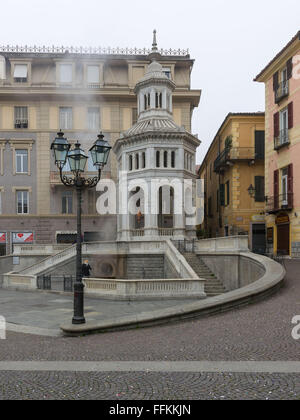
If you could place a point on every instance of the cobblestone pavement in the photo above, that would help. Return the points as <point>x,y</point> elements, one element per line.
<point>148,386</point>
<point>261,332</point>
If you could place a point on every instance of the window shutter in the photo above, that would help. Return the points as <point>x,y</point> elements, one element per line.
<point>259,189</point>
<point>291,115</point>
<point>275,81</point>
<point>290,185</point>
<point>289,66</point>
<point>227,193</point>
<point>222,195</point>
<point>259,144</point>
<point>276,189</point>
<point>276,124</point>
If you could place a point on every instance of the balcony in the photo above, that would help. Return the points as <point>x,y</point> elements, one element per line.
<point>229,156</point>
<point>282,140</point>
<point>279,203</point>
<point>282,91</point>
<point>21,123</point>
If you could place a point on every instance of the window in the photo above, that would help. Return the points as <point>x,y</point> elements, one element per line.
<point>222,195</point>
<point>227,194</point>
<point>93,119</point>
<point>137,161</point>
<point>167,72</point>
<point>130,162</point>
<point>143,160</point>
<point>283,122</point>
<point>259,189</point>
<point>158,100</point>
<point>165,159</point>
<point>21,117</point>
<point>21,157</point>
<point>158,159</point>
<point>67,202</point>
<point>66,73</point>
<point>259,144</point>
<point>93,75</point>
<point>20,73</point>
<point>284,186</point>
<point>134,116</point>
<point>65,118</point>
<point>22,202</point>
<point>173,159</point>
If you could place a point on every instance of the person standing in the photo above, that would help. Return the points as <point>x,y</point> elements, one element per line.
<point>86,269</point>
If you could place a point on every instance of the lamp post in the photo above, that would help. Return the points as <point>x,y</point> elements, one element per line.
<point>77,160</point>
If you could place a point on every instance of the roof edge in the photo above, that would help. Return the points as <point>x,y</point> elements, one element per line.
<point>259,76</point>
<point>228,116</point>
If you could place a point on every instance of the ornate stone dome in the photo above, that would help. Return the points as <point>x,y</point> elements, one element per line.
<point>154,124</point>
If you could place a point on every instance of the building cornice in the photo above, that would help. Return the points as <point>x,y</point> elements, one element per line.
<point>155,135</point>
<point>287,52</point>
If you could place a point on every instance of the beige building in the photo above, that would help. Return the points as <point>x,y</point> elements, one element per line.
<point>80,91</point>
<point>234,162</point>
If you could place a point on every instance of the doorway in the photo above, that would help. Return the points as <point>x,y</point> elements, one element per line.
<point>259,238</point>
<point>283,239</point>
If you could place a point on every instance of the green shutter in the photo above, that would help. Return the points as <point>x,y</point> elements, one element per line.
<point>222,195</point>
<point>259,189</point>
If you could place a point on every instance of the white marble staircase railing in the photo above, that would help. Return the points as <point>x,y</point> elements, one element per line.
<point>50,262</point>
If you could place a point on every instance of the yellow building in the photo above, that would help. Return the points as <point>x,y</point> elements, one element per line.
<point>233,163</point>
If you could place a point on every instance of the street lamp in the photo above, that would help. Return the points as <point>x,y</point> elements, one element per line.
<point>251,191</point>
<point>77,160</point>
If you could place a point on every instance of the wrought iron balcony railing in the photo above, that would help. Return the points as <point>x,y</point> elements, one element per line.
<point>280,202</point>
<point>21,123</point>
<point>282,91</point>
<point>282,139</point>
<point>234,154</point>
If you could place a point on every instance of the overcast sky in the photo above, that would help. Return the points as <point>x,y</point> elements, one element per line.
<point>230,40</point>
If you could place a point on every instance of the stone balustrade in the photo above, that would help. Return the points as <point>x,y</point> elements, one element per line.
<point>227,244</point>
<point>19,281</point>
<point>21,249</point>
<point>146,289</point>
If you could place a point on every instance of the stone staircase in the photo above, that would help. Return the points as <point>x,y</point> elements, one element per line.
<point>213,286</point>
<point>147,267</point>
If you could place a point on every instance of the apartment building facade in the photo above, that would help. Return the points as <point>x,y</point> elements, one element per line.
<point>282,166</point>
<point>81,91</point>
<point>233,163</point>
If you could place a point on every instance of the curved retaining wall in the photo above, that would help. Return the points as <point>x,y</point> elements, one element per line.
<point>271,276</point>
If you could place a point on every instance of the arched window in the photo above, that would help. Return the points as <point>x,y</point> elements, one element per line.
<point>137,161</point>
<point>173,159</point>
<point>143,160</point>
<point>149,100</point>
<point>165,159</point>
<point>130,162</point>
<point>158,159</point>
<point>158,100</point>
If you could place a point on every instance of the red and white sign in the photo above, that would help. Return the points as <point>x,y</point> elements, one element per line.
<point>2,238</point>
<point>21,238</point>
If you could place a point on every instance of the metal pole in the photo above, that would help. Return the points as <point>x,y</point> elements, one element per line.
<point>78,317</point>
